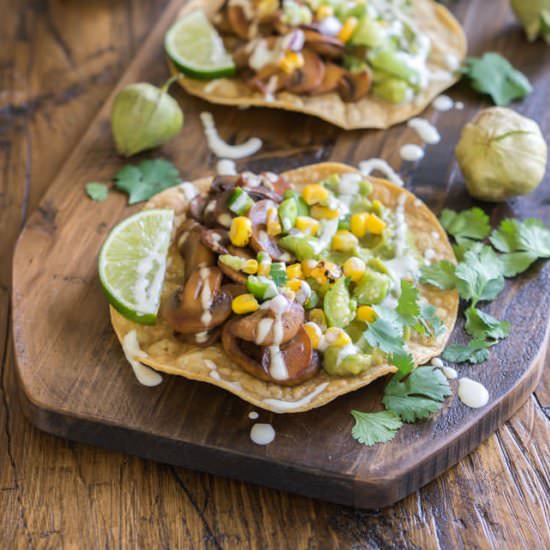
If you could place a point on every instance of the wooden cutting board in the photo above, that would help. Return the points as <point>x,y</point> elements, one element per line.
<point>75,382</point>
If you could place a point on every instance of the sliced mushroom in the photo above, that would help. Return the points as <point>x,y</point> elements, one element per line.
<point>197,206</point>
<point>192,249</point>
<point>331,79</point>
<point>216,240</point>
<point>309,76</point>
<point>238,21</point>
<point>216,212</point>
<point>322,44</point>
<point>355,86</point>
<point>234,275</point>
<point>298,356</point>
<point>260,241</point>
<point>261,193</point>
<point>224,183</point>
<point>248,327</point>
<point>234,290</point>
<point>200,304</point>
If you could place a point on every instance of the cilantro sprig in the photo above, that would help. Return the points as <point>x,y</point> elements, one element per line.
<point>97,191</point>
<point>375,427</point>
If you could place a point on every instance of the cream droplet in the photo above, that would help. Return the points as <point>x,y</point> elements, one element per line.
<point>253,415</point>
<point>449,373</point>
<point>443,103</point>
<point>411,152</point>
<point>425,129</point>
<point>472,393</point>
<point>262,434</point>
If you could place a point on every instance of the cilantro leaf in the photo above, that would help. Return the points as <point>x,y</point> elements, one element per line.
<point>403,361</point>
<point>146,179</point>
<point>493,75</point>
<point>479,276</point>
<point>278,273</point>
<point>515,263</point>
<point>432,324</point>
<point>482,325</point>
<point>475,351</point>
<point>439,274</point>
<point>375,427</point>
<point>97,191</point>
<point>382,334</point>
<point>417,396</point>
<point>468,224</point>
<point>407,305</point>
<point>461,247</point>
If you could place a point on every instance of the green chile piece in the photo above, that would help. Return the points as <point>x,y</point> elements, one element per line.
<point>288,212</point>
<point>234,262</point>
<point>143,117</point>
<point>304,248</point>
<point>393,90</point>
<point>338,306</point>
<point>387,61</point>
<point>372,288</point>
<point>301,204</point>
<point>350,365</point>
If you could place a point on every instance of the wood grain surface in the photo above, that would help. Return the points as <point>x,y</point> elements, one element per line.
<point>59,494</point>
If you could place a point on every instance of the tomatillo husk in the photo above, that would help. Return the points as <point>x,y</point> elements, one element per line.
<point>534,15</point>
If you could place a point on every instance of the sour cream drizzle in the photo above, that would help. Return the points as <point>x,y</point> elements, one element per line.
<point>472,393</point>
<point>279,405</point>
<point>425,129</point>
<point>379,165</point>
<point>132,351</point>
<point>226,167</point>
<point>443,103</point>
<point>206,296</point>
<point>278,305</point>
<point>411,152</point>
<point>222,149</point>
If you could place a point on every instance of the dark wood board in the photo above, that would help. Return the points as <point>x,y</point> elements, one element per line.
<point>74,381</point>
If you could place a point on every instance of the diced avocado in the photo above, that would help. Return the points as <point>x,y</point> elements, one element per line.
<point>337,363</point>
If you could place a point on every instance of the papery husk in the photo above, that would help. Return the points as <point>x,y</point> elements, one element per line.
<point>433,19</point>
<point>167,354</point>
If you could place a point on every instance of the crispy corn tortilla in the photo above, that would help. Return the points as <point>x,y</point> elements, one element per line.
<point>433,19</point>
<point>168,354</point>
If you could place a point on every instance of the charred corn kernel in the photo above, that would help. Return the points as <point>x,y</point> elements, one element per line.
<point>294,285</point>
<point>291,61</point>
<point>365,313</point>
<point>324,213</point>
<point>354,268</point>
<point>323,12</point>
<point>375,225</point>
<point>241,230</point>
<point>319,273</point>
<point>245,303</point>
<point>314,193</point>
<point>336,336</point>
<point>250,267</point>
<point>347,29</point>
<point>294,271</point>
<point>344,241</point>
<point>358,224</point>
<point>315,334</point>
<point>272,222</point>
<point>308,266</point>
<point>308,225</point>
<point>317,316</point>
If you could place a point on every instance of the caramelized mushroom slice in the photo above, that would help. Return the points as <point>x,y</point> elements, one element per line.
<point>331,80</point>
<point>216,212</point>
<point>192,249</point>
<point>238,21</point>
<point>260,241</point>
<point>224,183</point>
<point>216,240</point>
<point>297,355</point>
<point>200,304</point>
<point>308,77</point>
<point>255,327</point>
<point>355,86</point>
<point>322,44</point>
<point>234,290</point>
<point>197,206</point>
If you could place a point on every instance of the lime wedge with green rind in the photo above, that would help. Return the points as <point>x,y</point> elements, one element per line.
<point>196,49</point>
<point>132,264</point>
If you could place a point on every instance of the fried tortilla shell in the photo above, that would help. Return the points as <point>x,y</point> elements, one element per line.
<point>168,354</point>
<point>433,19</point>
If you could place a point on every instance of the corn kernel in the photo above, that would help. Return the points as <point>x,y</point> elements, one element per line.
<point>245,303</point>
<point>264,267</point>
<point>272,222</point>
<point>314,193</point>
<point>241,231</point>
<point>291,61</point>
<point>358,224</point>
<point>348,29</point>
<point>323,12</point>
<point>324,213</point>
<point>294,284</point>
<point>354,268</point>
<point>366,313</point>
<point>324,271</point>
<point>308,225</point>
<point>250,267</point>
<point>344,241</point>
<point>315,334</point>
<point>308,266</point>
<point>375,225</point>
<point>294,271</point>
<point>317,316</point>
<point>336,336</point>
<point>376,206</point>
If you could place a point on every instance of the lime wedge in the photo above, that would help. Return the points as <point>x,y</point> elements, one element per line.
<point>196,49</point>
<point>132,264</point>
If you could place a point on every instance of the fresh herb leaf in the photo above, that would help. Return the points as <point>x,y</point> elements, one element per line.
<point>375,427</point>
<point>432,324</point>
<point>475,351</point>
<point>515,263</point>
<point>407,305</point>
<point>481,325</point>
<point>382,334</point>
<point>146,179</point>
<point>417,396</point>
<point>278,273</point>
<point>468,224</point>
<point>403,361</point>
<point>97,191</point>
<point>440,274</point>
<point>460,248</point>
<point>493,75</point>
<point>479,276</point>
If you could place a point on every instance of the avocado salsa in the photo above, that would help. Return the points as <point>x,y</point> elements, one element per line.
<point>296,280</point>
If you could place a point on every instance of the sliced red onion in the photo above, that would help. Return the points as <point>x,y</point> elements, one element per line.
<point>330,26</point>
<point>293,41</point>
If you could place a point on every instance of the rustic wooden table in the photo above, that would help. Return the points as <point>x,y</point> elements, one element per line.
<point>58,62</point>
